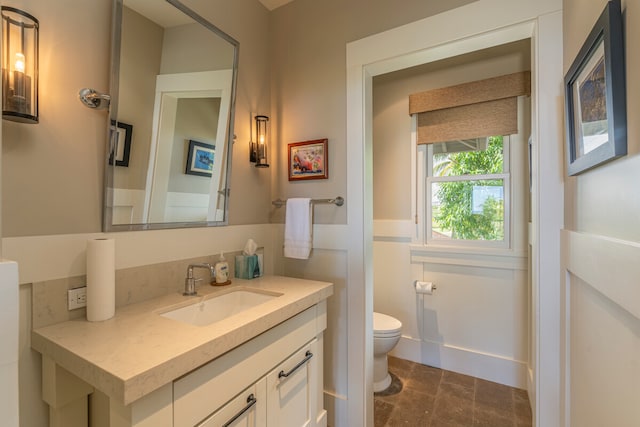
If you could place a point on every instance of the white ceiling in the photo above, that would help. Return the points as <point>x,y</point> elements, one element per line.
<point>274,4</point>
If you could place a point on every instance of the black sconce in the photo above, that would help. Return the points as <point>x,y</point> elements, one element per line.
<point>258,149</point>
<point>19,65</point>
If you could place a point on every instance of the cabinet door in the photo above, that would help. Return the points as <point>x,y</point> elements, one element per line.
<point>292,389</point>
<point>248,409</point>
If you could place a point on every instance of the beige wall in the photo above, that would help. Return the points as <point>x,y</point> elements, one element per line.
<point>309,81</point>
<point>191,48</point>
<point>196,119</point>
<point>141,50</point>
<point>604,331</point>
<point>591,196</point>
<point>52,173</point>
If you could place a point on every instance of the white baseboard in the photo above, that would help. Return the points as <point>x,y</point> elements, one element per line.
<point>465,361</point>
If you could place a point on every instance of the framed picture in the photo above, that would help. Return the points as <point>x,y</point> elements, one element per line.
<point>308,160</point>
<point>122,149</point>
<point>595,96</point>
<point>200,158</point>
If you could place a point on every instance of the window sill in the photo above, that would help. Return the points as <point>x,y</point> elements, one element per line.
<point>504,259</point>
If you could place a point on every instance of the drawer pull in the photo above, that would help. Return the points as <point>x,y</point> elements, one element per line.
<point>308,355</point>
<point>251,400</point>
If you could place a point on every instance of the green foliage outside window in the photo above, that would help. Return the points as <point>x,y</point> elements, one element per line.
<point>453,214</point>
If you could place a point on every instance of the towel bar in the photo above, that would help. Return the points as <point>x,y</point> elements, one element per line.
<point>338,201</point>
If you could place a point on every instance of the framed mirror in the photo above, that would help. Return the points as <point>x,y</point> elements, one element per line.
<point>173,83</point>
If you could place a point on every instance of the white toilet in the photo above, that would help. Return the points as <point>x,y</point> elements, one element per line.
<point>386,333</point>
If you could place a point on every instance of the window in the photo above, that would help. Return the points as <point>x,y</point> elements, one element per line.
<point>467,192</point>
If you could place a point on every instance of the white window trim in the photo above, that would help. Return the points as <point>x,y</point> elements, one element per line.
<point>422,167</point>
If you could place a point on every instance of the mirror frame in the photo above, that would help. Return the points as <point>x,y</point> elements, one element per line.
<point>116,40</point>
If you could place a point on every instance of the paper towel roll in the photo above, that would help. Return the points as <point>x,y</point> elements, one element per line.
<point>426,288</point>
<point>101,279</point>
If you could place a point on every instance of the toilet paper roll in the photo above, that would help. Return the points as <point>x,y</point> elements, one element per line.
<point>101,279</point>
<point>425,288</point>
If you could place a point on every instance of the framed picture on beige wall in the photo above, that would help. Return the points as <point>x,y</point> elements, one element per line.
<point>595,96</point>
<point>122,149</point>
<point>308,160</point>
<point>200,159</point>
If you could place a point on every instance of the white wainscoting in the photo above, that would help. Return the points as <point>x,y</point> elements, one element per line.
<point>186,207</point>
<point>63,255</point>
<point>475,322</point>
<point>601,341</point>
<point>128,206</point>
<point>328,262</point>
<point>491,367</point>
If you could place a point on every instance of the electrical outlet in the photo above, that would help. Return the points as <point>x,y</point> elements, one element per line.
<point>77,298</point>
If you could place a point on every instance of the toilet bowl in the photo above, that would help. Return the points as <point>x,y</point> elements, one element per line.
<point>386,333</point>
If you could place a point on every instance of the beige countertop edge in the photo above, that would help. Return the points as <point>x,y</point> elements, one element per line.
<point>131,388</point>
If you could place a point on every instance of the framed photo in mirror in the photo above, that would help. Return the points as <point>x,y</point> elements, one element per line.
<point>308,160</point>
<point>595,96</point>
<point>122,148</point>
<point>200,159</point>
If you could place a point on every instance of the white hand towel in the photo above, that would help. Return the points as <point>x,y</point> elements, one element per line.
<point>298,227</point>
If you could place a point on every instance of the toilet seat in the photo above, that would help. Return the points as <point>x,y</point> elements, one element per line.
<point>384,325</point>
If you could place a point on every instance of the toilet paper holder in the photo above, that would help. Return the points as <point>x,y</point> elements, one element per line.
<point>424,287</point>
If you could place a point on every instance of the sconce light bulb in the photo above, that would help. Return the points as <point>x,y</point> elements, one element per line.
<point>19,62</point>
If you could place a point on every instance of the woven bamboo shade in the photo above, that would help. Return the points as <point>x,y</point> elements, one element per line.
<point>477,109</point>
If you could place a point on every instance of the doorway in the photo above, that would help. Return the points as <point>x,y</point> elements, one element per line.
<point>427,41</point>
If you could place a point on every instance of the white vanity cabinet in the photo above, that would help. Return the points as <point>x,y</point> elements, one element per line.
<point>259,367</point>
<point>286,397</point>
<point>274,379</point>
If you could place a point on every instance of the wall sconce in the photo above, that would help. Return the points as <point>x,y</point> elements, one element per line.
<point>19,65</point>
<point>258,149</point>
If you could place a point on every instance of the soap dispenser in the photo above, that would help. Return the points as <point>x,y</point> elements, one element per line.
<point>222,270</point>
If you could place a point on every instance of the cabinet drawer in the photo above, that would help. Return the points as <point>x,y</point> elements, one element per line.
<point>248,409</point>
<point>292,389</point>
<point>201,392</point>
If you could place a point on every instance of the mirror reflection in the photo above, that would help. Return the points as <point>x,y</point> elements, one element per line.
<point>172,116</point>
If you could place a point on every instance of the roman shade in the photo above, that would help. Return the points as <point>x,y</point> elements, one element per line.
<point>470,110</point>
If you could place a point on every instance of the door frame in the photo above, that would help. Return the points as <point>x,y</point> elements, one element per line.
<point>429,40</point>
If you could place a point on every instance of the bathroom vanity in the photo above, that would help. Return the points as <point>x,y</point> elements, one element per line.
<point>256,366</point>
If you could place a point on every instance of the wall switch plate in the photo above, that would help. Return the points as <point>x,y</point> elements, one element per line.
<point>77,298</point>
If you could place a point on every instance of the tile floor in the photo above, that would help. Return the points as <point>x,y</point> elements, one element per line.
<point>424,396</point>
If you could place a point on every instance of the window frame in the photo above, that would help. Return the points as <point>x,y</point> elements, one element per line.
<point>424,163</point>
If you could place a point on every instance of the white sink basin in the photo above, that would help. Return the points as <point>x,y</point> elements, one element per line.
<point>218,307</point>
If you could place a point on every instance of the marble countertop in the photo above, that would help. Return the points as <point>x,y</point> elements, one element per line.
<point>138,351</point>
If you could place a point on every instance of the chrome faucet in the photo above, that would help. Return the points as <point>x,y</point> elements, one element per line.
<point>190,282</point>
